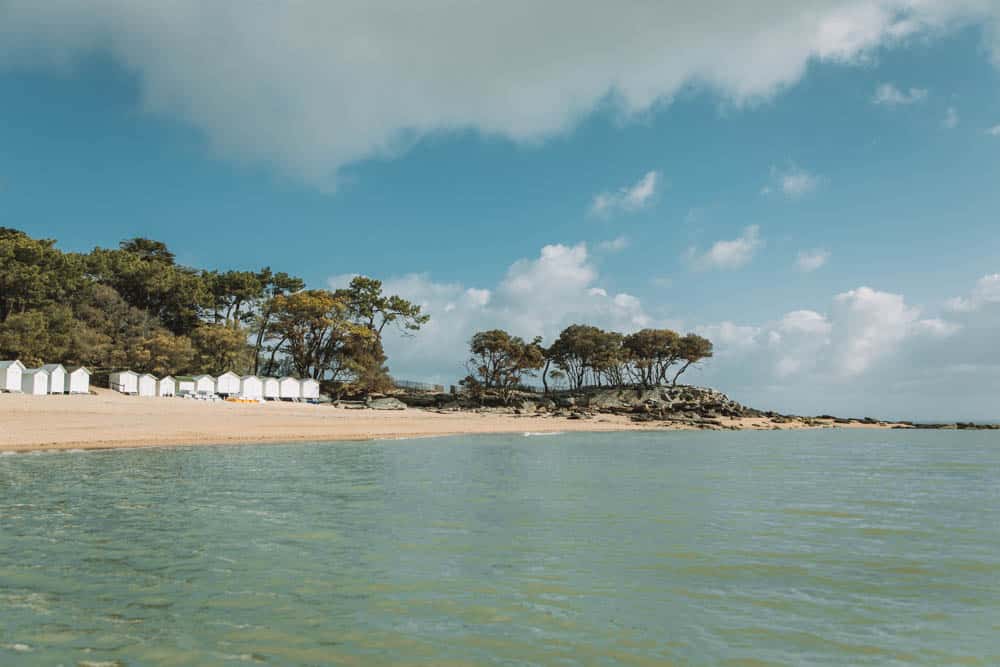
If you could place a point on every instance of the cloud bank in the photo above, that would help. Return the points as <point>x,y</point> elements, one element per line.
<point>314,86</point>
<point>860,351</point>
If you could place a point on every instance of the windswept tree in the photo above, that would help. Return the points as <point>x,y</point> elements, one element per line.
<point>581,349</point>
<point>692,349</point>
<point>369,307</point>
<point>650,354</point>
<point>500,361</point>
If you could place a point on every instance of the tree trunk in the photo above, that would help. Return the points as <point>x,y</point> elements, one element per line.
<point>683,368</point>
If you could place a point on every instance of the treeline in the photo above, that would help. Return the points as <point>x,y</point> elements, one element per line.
<point>582,355</point>
<point>134,307</point>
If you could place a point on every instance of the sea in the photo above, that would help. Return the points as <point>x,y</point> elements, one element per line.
<point>824,547</point>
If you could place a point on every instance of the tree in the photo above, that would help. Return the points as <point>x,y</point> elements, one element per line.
<point>368,306</point>
<point>312,329</point>
<point>219,348</point>
<point>579,350</point>
<point>651,353</point>
<point>275,285</point>
<point>500,361</point>
<point>693,349</point>
<point>169,354</point>
<point>148,250</point>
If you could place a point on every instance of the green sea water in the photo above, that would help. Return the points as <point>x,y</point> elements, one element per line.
<point>758,548</point>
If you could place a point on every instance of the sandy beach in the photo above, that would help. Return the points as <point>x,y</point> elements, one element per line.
<point>109,420</point>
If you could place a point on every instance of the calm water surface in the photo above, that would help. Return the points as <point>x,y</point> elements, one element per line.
<point>818,548</point>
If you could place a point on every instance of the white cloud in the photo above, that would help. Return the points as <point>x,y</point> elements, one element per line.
<point>950,118</point>
<point>792,182</point>
<point>729,254</point>
<point>871,352</point>
<point>810,260</point>
<point>986,291</point>
<point>626,199</point>
<point>316,85</point>
<point>888,94</point>
<point>994,131</point>
<point>616,244</point>
<point>537,296</point>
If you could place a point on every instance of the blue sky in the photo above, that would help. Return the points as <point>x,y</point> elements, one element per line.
<point>447,172</point>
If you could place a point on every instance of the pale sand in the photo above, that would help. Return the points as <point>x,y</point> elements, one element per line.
<point>110,420</point>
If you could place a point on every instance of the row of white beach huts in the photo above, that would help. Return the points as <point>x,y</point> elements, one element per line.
<point>56,379</point>
<point>49,379</point>
<point>227,385</point>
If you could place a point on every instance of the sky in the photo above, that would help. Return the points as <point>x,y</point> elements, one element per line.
<point>811,184</point>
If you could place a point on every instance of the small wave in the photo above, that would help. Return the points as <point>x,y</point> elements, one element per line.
<point>8,453</point>
<point>17,648</point>
<point>538,434</point>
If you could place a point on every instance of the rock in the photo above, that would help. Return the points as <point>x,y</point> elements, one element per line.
<point>566,402</point>
<point>386,404</point>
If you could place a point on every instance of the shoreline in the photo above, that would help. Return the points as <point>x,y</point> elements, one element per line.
<point>106,420</point>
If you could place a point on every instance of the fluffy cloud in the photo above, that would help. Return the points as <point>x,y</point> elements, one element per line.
<point>728,254</point>
<point>888,94</point>
<point>811,260</point>
<point>315,85</point>
<point>864,351</point>
<point>631,198</point>
<point>537,296</point>
<point>985,292</point>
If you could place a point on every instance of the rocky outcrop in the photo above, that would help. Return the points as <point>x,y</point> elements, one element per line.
<point>388,403</point>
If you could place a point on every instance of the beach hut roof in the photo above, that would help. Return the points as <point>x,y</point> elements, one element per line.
<point>288,377</point>
<point>12,362</point>
<point>52,367</point>
<point>203,375</point>
<point>32,371</point>
<point>126,373</point>
<point>256,377</point>
<point>76,369</point>
<point>229,373</point>
<point>148,375</point>
<point>168,377</point>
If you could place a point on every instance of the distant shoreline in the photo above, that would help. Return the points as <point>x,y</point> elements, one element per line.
<point>107,420</point>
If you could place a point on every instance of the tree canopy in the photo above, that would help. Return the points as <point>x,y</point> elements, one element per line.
<point>584,355</point>
<point>134,307</point>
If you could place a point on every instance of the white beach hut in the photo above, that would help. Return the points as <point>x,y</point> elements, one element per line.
<point>35,381</point>
<point>147,385</point>
<point>204,384</point>
<point>185,385</point>
<point>272,388</point>
<point>78,381</point>
<point>310,389</point>
<point>290,388</point>
<point>10,375</point>
<point>125,382</point>
<point>251,388</point>
<point>57,378</point>
<point>227,384</point>
<point>166,386</point>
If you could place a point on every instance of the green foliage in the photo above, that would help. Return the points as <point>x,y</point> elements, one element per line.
<point>135,307</point>
<point>500,362</point>
<point>586,354</point>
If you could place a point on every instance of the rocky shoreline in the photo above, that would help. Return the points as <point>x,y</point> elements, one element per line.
<point>680,406</point>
